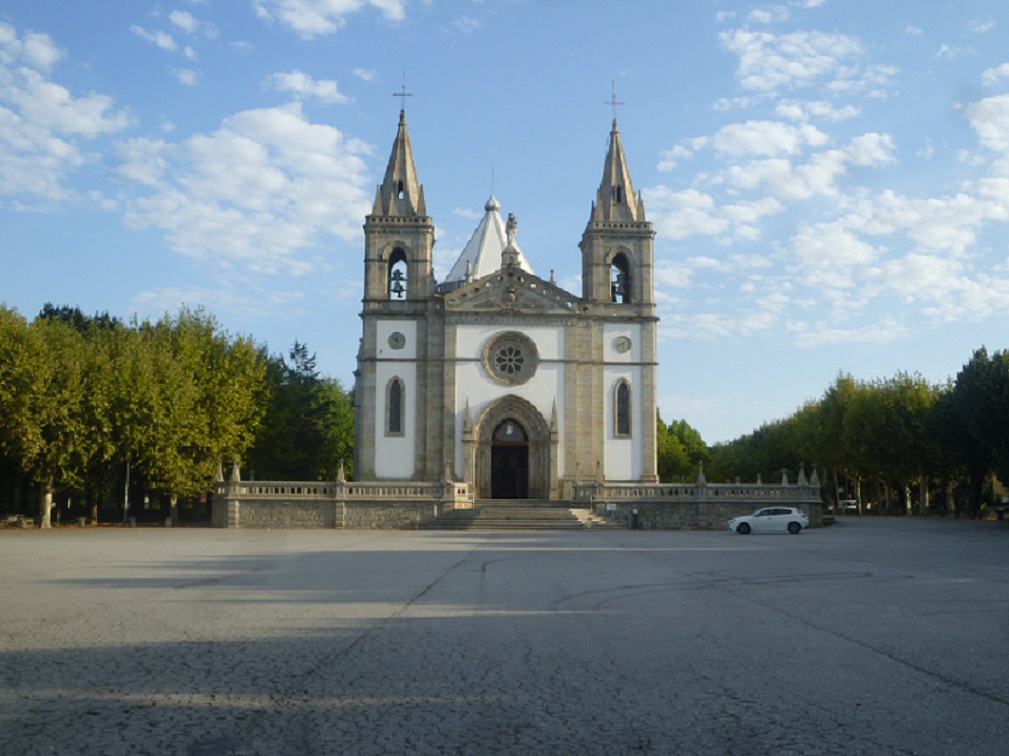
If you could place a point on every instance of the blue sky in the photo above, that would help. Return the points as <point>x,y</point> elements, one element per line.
<point>828,179</point>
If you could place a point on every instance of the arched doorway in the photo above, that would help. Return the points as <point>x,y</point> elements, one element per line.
<point>526,451</point>
<point>509,461</point>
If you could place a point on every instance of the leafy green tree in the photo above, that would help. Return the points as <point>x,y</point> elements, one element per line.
<point>339,445</point>
<point>55,438</point>
<point>981,399</point>
<point>673,459</point>
<point>308,429</point>
<point>209,402</point>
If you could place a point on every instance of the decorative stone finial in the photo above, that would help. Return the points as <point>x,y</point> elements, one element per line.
<point>341,475</point>
<point>236,473</point>
<point>510,254</point>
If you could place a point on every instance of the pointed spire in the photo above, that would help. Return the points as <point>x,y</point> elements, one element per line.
<point>400,194</point>
<point>615,199</point>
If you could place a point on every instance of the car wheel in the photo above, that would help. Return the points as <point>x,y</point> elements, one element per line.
<point>794,528</point>
<point>743,528</point>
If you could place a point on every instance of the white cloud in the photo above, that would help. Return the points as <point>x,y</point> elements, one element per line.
<point>188,23</point>
<point>820,109</point>
<point>366,74</point>
<point>162,39</point>
<point>765,138</point>
<point>256,195</point>
<point>947,52</point>
<point>990,119</point>
<point>768,62</point>
<point>183,20</point>
<point>187,76</point>
<point>981,25</point>
<point>43,126</point>
<point>769,14</point>
<point>311,18</point>
<point>994,75</point>
<point>467,24</point>
<point>304,86</point>
<point>885,331</point>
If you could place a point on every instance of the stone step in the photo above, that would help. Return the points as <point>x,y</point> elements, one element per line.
<point>522,503</point>
<point>513,516</point>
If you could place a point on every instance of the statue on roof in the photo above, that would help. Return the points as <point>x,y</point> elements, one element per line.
<point>511,229</point>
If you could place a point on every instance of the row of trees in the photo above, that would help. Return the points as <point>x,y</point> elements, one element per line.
<point>902,442</point>
<point>90,406</point>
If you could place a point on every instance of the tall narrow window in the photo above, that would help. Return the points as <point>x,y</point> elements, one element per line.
<point>394,408</point>
<point>622,409</point>
<point>620,279</point>
<point>397,274</point>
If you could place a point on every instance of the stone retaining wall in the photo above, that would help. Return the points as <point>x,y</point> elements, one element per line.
<point>694,515</point>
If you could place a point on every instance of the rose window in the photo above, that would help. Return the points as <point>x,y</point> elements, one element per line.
<point>510,358</point>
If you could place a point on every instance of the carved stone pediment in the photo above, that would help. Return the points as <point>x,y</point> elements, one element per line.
<point>511,289</point>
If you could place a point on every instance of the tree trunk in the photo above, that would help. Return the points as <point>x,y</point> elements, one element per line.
<point>923,495</point>
<point>45,506</point>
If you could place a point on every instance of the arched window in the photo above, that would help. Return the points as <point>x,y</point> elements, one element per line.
<point>397,274</point>
<point>622,409</point>
<point>394,408</point>
<point>510,432</point>
<point>620,279</point>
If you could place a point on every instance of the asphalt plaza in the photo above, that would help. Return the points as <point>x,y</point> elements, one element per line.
<point>873,636</point>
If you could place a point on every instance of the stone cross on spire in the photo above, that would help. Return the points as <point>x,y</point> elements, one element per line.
<point>402,94</point>
<point>613,99</point>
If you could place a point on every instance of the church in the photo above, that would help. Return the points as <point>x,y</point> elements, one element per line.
<point>494,376</point>
<point>496,390</point>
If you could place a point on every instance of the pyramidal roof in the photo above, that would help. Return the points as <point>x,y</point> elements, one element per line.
<point>482,254</point>
<point>400,194</point>
<point>615,198</point>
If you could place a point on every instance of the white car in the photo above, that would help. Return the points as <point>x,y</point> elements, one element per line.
<point>771,520</point>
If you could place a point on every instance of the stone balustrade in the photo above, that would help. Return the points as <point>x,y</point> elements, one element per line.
<point>408,504</point>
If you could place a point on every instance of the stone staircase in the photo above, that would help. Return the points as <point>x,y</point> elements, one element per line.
<point>520,514</point>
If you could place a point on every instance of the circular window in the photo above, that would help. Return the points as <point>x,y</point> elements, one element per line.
<point>510,358</point>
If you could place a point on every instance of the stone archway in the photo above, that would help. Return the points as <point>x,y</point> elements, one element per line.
<point>528,458</point>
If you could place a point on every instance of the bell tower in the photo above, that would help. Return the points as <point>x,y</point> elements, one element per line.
<point>618,290</point>
<point>393,377</point>
<point>617,242</point>
<point>399,235</point>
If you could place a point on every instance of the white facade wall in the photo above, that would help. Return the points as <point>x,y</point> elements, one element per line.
<point>623,457</point>
<point>474,386</point>
<point>395,457</point>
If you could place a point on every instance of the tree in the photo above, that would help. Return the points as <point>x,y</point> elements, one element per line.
<point>55,437</point>
<point>673,460</point>
<point>209,402</point>
<point>308,429</point>
<point>981,399</point>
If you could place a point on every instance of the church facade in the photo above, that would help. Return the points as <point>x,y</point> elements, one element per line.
<point>497,377</point>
